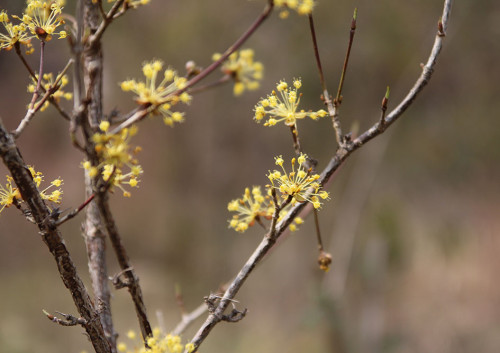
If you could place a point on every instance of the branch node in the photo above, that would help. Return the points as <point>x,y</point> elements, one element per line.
<point>213,301</point>
<point>441,32</point>
<point>69,320</point>
<point>119,281</point>
<point>235,315</point>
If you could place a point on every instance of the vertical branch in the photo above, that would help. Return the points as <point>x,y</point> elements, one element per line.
<point>95,240</point>
<point>40,74</point>
<point>318,233</point>
<point>338,99</point>
<point>333,107</point>
<point>296,141</point>
<point>93,64</point>
<point>94,231</point>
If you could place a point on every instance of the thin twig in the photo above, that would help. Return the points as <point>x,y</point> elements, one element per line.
<point>124,262</point>
<point>40,75</point>
<point>188,318</point>
<point>32,74</point>
<point>316,55</point>
<point>220,81</point>
<point>33,109</point>
<point>383,108</point>
<point>108,18</point>
<point>295,136</point>
<point>318,233</point>
<point>338,99</point>
<point>75,212</point>
<point>17,47</point>
<point>69,320</point>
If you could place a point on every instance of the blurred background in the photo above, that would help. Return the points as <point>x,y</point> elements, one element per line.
<point>413,223</point>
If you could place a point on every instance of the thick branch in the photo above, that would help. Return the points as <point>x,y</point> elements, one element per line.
<point>53,239</point>
<point>94,230</point>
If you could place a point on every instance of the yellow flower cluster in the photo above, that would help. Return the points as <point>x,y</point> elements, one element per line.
<point>15,34</point>
<point>251,207</point>
<point>158,92</point>
<point>55,195</point>
<point>245,72</point>
<point>10,194</point>
<point>303,7</point>
<point>114,152</point>
<point>157,344</point>
<point>40,19</point>
<point>48,82</point>
<point>284,108</point>
<point>254,207</point>
<point>298,184</point>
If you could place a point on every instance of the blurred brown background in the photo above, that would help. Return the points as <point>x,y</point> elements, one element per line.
<point>412,225</point>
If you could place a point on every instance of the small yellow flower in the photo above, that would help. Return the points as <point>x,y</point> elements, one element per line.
<point>302,7</point>
<point>190,347</point>
<point>284,107</point>
<point>158,92</point>
<point>245,72</point>
<point>8,194</point>
<point>254,206</point>
<point>15,34</point>
<point>251,207</point>
<point>158,343</point>
<point>49,83</point>
<point>43,17</point>
<point>299,184</point>
<point>131,334</point>
<point>104,125</point>
<point>116,154</point>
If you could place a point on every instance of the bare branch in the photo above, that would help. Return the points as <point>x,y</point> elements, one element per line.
<point>188,318</point>
<point>52,238</point>
<point>132,281</point>
<point>88,116</point>
<point>95,39</point>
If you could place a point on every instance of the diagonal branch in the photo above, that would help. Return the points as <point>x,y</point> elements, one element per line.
<point>132,281</point>
<point>53,239</point>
